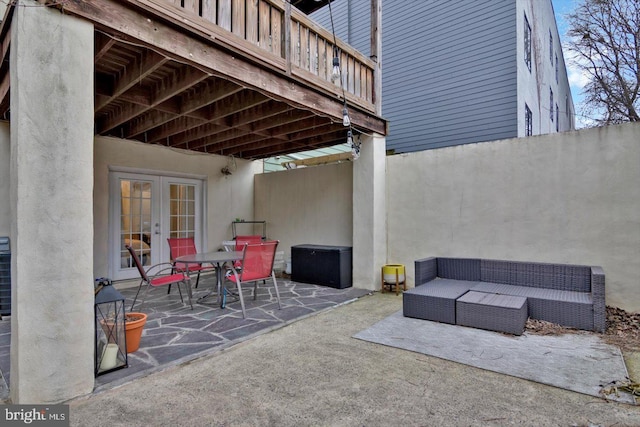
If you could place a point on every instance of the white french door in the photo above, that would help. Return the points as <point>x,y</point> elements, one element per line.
<point>145,211</point>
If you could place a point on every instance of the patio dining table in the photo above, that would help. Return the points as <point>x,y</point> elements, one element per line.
<point>217,259</point>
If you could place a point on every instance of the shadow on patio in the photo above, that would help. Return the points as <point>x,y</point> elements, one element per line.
<point>176,334</point>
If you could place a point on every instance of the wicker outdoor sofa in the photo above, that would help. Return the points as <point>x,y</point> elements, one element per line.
<point>500,295</point>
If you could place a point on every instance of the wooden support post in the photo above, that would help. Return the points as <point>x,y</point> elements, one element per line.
<point>376,52</point>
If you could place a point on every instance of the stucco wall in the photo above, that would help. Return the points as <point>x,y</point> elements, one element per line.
<point>51,174</point>
<point>571,198</point>
<point>307,205</point>
<point>5,206</point>
<point>228,197</point>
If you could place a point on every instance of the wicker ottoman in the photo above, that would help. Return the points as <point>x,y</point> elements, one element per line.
<point>435,300</point>
<point>496,312</point>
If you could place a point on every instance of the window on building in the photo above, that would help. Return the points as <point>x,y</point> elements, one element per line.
<point>566,106</point>
<point>528,120</point>
<point>557,118</point>
<point>550,47</point>
<point>551,104</point>
<point>556,68</point>
<point>527,43</point>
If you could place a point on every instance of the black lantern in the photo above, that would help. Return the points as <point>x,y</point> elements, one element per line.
<point>110,339</point>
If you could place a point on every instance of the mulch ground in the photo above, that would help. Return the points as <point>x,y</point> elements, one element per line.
<point>623,329</point>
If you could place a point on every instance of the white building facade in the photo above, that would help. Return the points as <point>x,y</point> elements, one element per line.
<point>544,96</point>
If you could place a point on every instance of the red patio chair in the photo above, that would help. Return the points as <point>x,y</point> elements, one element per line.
<point>242,241</point>
<point>257,264</point>
<point>179,246</point>
<point>158,279</point>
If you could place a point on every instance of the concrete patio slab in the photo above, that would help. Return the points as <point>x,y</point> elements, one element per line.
<point>313,372</point>
<point>577,362</point>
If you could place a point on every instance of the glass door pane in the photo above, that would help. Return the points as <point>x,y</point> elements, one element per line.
<point>182,210</point>
<point>145,211</point>
<point>135,221</point>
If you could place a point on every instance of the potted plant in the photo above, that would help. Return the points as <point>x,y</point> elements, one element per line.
<point>133,325</point>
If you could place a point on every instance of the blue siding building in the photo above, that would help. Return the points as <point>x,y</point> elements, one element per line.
<point>464,71</point>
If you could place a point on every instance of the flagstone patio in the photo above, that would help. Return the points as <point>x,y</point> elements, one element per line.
<point>175,334</point>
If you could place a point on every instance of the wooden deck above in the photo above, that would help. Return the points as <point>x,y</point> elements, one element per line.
<point>248,78</point>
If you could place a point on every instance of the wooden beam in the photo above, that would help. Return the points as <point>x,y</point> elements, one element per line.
<point>235,140</point>
<point>6,46</point>
<point>150,121</point>
<point>165,89</point>
<point>287,36</point>
<point>193,101</point>
<point>176,126</point>
<point>307,124</point>
<point>133,73</point>
<point>237,102</point>
<point>271,111</point>
<point>257,122</point>
<point>215,90</point>
<point>250,143</point>
<point>229,137</point>
<point>186,48</point>
<point>125,114</point>
<point>102,45</point>
<point>316,131</point>
<point>197,137</point>
<point>5,87</point>
<point>270,150</point>
<point>376,52</point>
<point>255,119</point>
<point>317,141</point>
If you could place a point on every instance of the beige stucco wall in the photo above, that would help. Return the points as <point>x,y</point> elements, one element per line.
<point>51,172</point>
<point>5,206</point>
<point>310,205</point>
<point>572,197</point>
<point>228,196</point>
<point>369,212</point>
<point>339,204</point>
<point>569,198</point>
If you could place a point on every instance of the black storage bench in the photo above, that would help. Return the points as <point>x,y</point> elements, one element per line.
<point>322,265</point>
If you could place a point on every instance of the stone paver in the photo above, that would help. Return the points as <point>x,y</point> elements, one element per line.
<point>174,333</point>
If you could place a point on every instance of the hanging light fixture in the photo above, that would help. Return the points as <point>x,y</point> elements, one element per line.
<point>346,121</point>
<point>335,74</point>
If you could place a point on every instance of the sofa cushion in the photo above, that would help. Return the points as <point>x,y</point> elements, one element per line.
<point>567,308</point>
<point>562,277</point>
<point>435,300</point>
<point>459,268</point>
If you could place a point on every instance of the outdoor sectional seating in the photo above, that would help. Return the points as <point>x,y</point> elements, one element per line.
<point>569,295</point>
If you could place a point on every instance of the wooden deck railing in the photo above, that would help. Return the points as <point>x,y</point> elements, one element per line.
<point>287,39</point>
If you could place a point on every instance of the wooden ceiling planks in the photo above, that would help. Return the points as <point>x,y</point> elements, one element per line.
<point>158,83</point>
